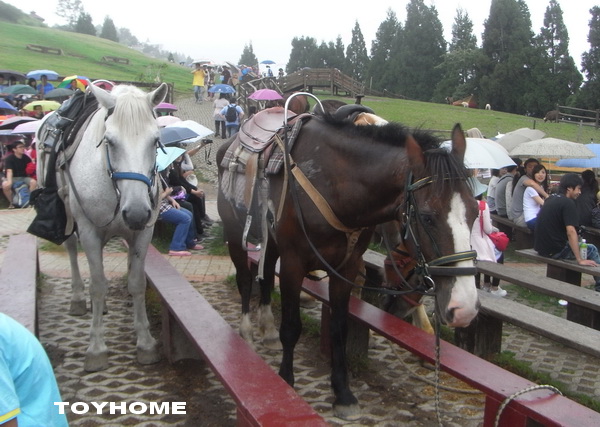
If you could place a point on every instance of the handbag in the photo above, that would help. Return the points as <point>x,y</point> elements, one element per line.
<point>498,238</point>
<point>50,220</point>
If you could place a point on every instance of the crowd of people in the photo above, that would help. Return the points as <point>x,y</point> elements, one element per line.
<point>522,193</point>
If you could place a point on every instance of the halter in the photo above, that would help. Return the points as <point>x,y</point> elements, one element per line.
<point>440,266</point>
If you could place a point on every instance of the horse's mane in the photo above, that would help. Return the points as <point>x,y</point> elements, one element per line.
<point>131,107</point>
<point>440,163</point>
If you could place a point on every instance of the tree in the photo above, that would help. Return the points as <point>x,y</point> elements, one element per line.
<point>422,51</point>
<point>304,53</point>
<point>380,73</point>
<point>590,65</point>
<point>555,76</point>
<point>508,47</point>
<point>70,11</point>
<point>85,25</point>
<point>357,59</point>
<point>248,57</point>
<point>126,38</point>
<point>109,31</point>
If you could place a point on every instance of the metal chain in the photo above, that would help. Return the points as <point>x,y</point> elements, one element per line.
<point>517,394</point>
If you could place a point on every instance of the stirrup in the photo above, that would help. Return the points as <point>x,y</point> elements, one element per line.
<point>245,236</point>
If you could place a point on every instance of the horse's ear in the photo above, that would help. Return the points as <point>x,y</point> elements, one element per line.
<point>104,98</point>
<point>159,94</point>
<point>414,153</point>
<point>459,143</point>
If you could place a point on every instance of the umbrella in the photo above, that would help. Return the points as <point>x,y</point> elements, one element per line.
<point>167,120</point>
<point>267,61</point>
<point>37,74</point>
<point>13,122</point>
<point>165,158</point>
<point>233,67</point>
<point>203,62</point>
<point>28,127</point>
<point>553,148</point>
<point>594,162</point>
<point>46,105</point>
<point>165,106</point>
<point>82,82</point>
<point>6,106</point>
<point>59,92</point>
<point>265,95</point>
<point>19,90</point>
<point>200,130</point>
<point>483,154</point>
<point>8,74</point>
<point>222,88</point>
<point>171,135</point>
<point>511,139</point>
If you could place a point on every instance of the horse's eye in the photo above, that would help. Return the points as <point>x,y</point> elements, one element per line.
<point>428,220</point>
<point>109,141</point>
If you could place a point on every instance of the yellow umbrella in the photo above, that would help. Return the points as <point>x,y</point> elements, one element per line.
<point>46,105</point>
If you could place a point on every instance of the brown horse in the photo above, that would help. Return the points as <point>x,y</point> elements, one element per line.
<point>340,181</point>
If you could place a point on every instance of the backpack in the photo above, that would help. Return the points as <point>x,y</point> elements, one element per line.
<point>231,114</point>
<point>21,196</point>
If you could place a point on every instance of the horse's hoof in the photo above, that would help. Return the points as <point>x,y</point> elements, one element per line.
<point>272,343</point>
<point>96,362</point>
<point>148,356</point>
<point>78,308</point>
<point>347,412</point>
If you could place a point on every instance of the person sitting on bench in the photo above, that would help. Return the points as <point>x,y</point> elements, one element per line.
<point>556,227</point>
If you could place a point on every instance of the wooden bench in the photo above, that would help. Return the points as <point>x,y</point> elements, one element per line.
<point>18,281</point>
<point>116,59</point>
<point>192,327</point>
<point>541,407</point>
<point>591,235</point>
<point>564,270</point>
<point>522,236</point>
<point>44,49</point>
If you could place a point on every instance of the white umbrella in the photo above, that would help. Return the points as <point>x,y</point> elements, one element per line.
<point>511,139</point>
<point>201,130</point>
<point>167,120</point>
<point>483,154</point>
<point>28,127</point>
<point>553,148</point>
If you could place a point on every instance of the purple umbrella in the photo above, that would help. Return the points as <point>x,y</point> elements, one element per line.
<point>165,106</point>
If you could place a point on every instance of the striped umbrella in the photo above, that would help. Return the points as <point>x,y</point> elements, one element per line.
<point>81,82</point>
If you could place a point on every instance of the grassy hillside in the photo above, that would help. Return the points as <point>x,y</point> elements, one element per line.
<point>83,56</point>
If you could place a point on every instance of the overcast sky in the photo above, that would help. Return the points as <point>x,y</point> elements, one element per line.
<point>211,30</point>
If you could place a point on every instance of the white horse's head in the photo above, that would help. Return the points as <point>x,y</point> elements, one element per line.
<point>131,136</point>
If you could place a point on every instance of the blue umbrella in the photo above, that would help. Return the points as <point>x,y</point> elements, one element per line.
<point>171,135</point>
<point>222,88</point>
<point>6,106</point>
<point>168,156</point>
<point>267,61</point>
<point>37,74</point>
<point>594,162</point>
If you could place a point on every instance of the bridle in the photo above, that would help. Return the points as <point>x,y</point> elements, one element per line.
<point>115,176</point>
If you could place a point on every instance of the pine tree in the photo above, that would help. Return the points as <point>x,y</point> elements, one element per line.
<point>85,25</point>
<point>460,63</point>
<point>590,65</point>
<point>422,51</point>
<point>357,59</point>
<point>508,46</point>
<point>304,52</point>
<point>248,57</point>
<point>380,67</point>
<point>109,31</point>
<point>70,11</point>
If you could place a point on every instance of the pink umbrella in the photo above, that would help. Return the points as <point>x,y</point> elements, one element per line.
<point>167,120</point>
<point>165,106</point>
<point>265,95</point>
<point>28,127</point>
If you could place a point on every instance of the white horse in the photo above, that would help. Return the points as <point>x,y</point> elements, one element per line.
<point>110,189</point>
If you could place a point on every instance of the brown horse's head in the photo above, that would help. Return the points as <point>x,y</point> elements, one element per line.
<point>437,220</point>
<point>298,103</point>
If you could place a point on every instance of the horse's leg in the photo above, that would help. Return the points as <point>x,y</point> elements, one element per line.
<point>96,356</point>
<point>78,302</point>
<point>290,281</point>
<point>345,405</point>
<point>266,321</point>
<point>147,348</point>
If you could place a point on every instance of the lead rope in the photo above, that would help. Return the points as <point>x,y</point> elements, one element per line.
<point>517,394</point>
<point>438,327</point>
